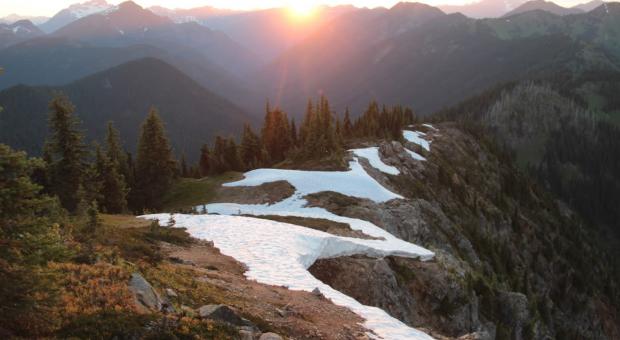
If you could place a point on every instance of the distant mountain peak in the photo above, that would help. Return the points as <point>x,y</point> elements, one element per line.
<point>543,5</point>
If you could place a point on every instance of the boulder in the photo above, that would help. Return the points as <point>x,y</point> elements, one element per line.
<point>145,295</point>
<point>223,313</point>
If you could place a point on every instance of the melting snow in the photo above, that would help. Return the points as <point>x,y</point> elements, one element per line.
<point>279,253</point>
<point>415,155</point>
<point>416,137</point>
<point>355,182</point>
<point>372,155</point>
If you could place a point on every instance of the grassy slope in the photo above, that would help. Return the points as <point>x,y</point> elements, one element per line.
<point>189,192</point>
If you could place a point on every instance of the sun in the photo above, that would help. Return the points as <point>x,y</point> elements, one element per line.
<point>302,9</point>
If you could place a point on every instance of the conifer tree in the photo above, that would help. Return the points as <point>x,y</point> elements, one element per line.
<point>67,152</point>
<point>251,149</point>
<point>110,183</point>
<point>347,126</point>
<point>116,153</point>
<point>232,157</point>
<point>155,165</point>
<point>205,161</point>
<point>30,237</point>
<point>276,135</point>
<point>218,159</point>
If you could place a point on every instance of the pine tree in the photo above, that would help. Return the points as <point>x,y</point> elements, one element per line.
<point>251,149</point>
<point>67,152</point>
<point>110,184</point>
<point>116,153</point>
<point>218,159</point>
<point>205,161</point>
<point>30,237</point>
<point>232,157</point>
<point>276,135</point>
<point>347,127</point>
<point>155,165</point>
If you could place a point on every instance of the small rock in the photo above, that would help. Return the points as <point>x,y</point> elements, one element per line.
<point>270,336</point>
<point>171,293</point>
<point>317,292</point>
<point>281,312</point>
<point>223,313</point>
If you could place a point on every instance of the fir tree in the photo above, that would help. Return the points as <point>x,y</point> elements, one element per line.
<point>347,127</point>
<point>251,149</point>
<point>232,157</point>
<point>30,237</point>
<point>218,160</point>
<point>111,184</point>
<point>116,153</point>
<point>276,136</point>
<point>67,152</point>
<point>155,165</point>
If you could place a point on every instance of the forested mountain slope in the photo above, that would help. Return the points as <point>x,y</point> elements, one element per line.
<point>571,147</point>
<point>123,94</point>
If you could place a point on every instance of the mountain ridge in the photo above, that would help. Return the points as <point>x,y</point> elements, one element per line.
<point>125,93</point>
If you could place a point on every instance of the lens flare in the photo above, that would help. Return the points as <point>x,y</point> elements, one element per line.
<point>302,9</point>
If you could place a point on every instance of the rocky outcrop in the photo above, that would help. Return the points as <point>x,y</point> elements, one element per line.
<point>505,251</point>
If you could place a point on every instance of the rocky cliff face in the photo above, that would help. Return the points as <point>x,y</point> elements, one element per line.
<point>512,263</point>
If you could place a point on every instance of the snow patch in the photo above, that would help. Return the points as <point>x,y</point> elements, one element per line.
<point>415,155</point>
<point>416,137</point>
<point>355,182</point>
<point>373,157</point>
<point>88,8</point>
<point>279,254</point>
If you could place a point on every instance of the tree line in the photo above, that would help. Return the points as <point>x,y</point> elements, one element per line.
<point>321,134</point>
<point>110,178</point>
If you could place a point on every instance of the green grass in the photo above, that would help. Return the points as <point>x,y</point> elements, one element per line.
<point>189,192</point>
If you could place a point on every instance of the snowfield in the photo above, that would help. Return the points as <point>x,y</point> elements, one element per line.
<point>372,155</point>
<point>355,182</point>
<point>417,137</point>
<point>278,253</point>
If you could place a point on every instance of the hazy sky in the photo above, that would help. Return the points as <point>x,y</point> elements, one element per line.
<point>50,7</point>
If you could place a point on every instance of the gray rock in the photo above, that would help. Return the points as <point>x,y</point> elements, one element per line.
<point>270,336</point>
<point>145,295</point>
<point>223,313</point>
<point>171,293</point>
<point>317,292</point>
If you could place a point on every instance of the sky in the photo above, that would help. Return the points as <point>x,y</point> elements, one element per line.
<point>50,7</point>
